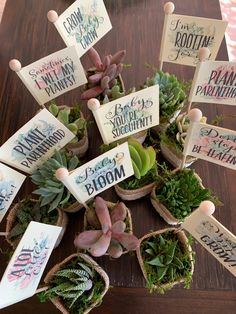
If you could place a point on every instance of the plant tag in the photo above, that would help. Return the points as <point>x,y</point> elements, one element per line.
<point>35,142</point>
<point>214,82</point>
<point>214,237</point>
<point>24,271</point>
<point>10,183</point>
<point>83,24</point>
<point>100,173</point>
<point>215,144</point>
<point>128,115</point>
<point>184,35</point>
<point>53,75</point>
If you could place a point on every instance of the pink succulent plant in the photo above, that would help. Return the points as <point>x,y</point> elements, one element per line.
<point>112,237</point>
<point>102,79</point>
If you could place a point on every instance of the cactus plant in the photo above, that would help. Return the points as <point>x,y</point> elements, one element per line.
<point>108,231</point>
<point>51,190</point>
<point>102,78</point>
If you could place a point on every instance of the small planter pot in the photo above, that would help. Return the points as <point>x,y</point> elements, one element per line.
<point>163,210</point>
<point>140,136</point>
<point>62,221</point>
<point>184,244</point>
<point>162,126</point>
<point>73,208</point>
<point>130,195</point>
<point>88,260</point>
<point>128,220</point>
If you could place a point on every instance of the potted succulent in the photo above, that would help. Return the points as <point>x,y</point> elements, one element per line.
<point>76,285</point>
<point>73,119</point>
<point>50,189</point>
<point>171,97</point>
<point>27,210</point>
<point>166,259</point>
<point>177,194</point>
<point>173,139</point>
<point>108,230</point>
<point>145,172</point>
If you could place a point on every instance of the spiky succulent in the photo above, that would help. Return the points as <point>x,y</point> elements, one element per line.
<point>108,231</point>
<point>51,190</point>
<point>171,93</point>
<point>71,118</point>
<point>102,78</point>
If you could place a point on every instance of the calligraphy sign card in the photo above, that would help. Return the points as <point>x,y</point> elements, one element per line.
<point>101,173</point>
<point>83,24</point>
<point>10,183</point>
<point>23,273</point>
<point>128,115</point>
<point>35,142</point>
<point>214,82</point>
<point>214,237</point>
<point>185,35</point>
<point>53,75</point>
<point>211,143</point>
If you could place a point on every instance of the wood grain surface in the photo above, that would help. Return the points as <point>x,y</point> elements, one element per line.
<point>26,34</point>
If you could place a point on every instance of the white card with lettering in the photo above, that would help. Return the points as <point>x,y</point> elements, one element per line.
<point>53,75</point>
<point>214,237</point>
<point>184,35</point>
<point>25,269</point>
<point>128,115</point>
<point>83,24</point>
<point>215,144</point>
<point>214,82</point>
<point>101,173</point>
<point>10,183</point>
<point>35,142</point>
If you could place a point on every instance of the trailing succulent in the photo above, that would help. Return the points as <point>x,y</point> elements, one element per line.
<point>171,93</point>
<point>71,118</point>
<point>108,231</point>
<point>181,192</point>
<point>29,210</point>
<point>102,80</point>
<point>51,190</point>
<point>77,285</point>
<point>165,261</point>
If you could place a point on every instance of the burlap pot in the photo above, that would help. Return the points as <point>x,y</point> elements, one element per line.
<point>128,220</point>
<point>130,195</point>
<point>56,301</point>
<point>184,242</point>
<point>62,221</point>
<point>163,210</point>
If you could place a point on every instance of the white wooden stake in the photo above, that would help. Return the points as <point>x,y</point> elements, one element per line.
<point>4,234</point>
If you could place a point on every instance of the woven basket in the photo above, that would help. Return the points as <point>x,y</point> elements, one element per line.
<point>56,301</point>
<point>130,195</point>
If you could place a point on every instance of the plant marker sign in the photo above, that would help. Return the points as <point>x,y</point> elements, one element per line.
<point>53,75</point>
<point>208,142</point>
<point>10,183</point>
<point>212,235</point>
<point>183,36</point>
<point>35,142</point>
<point>127,115</point>
<point>214,82</point>
<point>99,174</point>
<point>25,269</point>
<point>83,24</point>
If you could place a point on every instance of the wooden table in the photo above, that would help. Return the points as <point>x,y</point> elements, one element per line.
<point>26,34</point>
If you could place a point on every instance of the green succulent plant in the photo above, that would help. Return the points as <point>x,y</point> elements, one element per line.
<point>51,190</point>
<point>171,93</point>
<point>77,285</point>
<point>29,210</point>
<point>71,118</point>
<point>116,92</point>
<point>165,261</point>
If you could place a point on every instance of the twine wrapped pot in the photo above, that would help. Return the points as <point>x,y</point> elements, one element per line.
<point>162,210</point>
<point>184,242</point>
<point>62,221</point>
<point>56,301</point>
<point>130,195</point>
<point>110,205</point>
